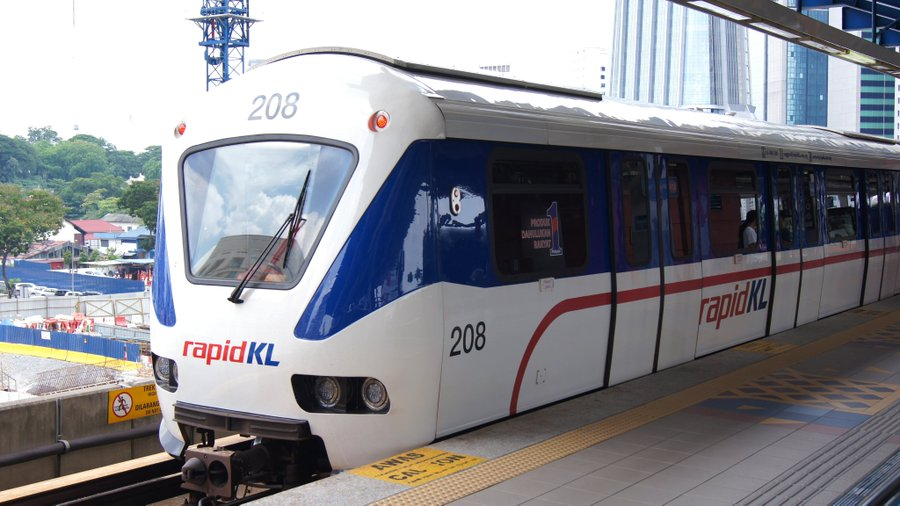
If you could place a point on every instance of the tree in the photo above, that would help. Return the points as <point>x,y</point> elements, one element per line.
<point>25,218</point>
<point>72,159</point>
<point>90,139</point>
<point>151,161</point>
<point>94,206</point>
<point>43,134</point>
<point>74,193</point>
<point>141,199</point>
<point>18,160</point>
<point>124,164</point>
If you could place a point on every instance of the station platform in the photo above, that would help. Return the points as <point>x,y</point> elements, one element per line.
<point>807,416</point>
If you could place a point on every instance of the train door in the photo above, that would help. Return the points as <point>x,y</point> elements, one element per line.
<point>737,268</point>
<point>844,251</point>
<point>813,250</point>
<point>637,273</point>
<point>682,270</point>
<point>891,240</point>
<point>526,308</point>
<point>785,250</point>
<point>874,238</point>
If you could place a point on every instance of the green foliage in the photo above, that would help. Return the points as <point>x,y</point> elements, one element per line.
<point>25,217</point>
<point>124,164</point>
<point>75,192</point>
<point>18,160</point>
<point>95,206</point>
<point>73,159</point>
<point>86,171</point>
<point>45,134</point>
<point>141,199</point>
<point>90,139</point>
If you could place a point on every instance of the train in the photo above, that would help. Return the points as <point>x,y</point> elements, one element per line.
<point>357,255</point>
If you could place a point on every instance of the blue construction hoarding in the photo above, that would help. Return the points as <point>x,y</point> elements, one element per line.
<point>83,343</point>
<point>40,274</point>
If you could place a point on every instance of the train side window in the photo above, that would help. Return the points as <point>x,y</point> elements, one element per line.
<point>873,204</point>
<point>840,205</point>
<point>679,197</point>
<point>810,208</point>
<point>732,198</point>
<point>636,211</point>
<point>887,207</point>
<point>784,208</point>
<point>538,214</point>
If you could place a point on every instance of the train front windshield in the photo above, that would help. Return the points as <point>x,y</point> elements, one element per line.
<point>240,199</point>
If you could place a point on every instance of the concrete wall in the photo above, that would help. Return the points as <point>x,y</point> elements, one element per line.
<point>39,422</point>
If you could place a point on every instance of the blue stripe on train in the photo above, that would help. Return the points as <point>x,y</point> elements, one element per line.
<point>390,253</point>
<point>161,290</point>
<point>407,239</point>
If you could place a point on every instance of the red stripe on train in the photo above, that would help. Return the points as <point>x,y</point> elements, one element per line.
<point>603,299</point>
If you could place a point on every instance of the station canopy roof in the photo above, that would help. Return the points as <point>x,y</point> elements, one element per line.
<point>864,16</point>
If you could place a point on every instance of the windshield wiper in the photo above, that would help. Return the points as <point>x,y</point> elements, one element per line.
<point>293,222</point>
<point>297,221</point>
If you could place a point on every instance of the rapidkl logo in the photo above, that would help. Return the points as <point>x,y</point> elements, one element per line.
<point>721,307</point>
<point>246,352</point>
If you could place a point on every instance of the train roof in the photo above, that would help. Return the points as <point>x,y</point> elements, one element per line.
<point>479,106</point>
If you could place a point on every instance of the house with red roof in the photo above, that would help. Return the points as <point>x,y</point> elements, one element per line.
<point>86,233</point>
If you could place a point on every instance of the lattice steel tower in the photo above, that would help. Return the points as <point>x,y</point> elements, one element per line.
<point>226,32</point>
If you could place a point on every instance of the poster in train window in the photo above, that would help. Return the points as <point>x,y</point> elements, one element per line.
<point>538,217</point>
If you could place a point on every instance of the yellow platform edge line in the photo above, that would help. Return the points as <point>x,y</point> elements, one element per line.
<point>492,472</point>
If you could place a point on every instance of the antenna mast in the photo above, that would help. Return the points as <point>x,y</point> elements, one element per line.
<point>226,32</point>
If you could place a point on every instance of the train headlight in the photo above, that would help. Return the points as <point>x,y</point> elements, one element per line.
<point>356,395</point>
<point>165,372</point>
<point>374,394</point>
<point>327,391</point>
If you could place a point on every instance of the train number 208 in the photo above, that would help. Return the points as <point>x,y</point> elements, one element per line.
<point>274,105</point>
<point>467,339</point>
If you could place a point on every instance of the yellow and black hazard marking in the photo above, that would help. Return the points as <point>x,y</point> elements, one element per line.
<point>792,387</point>
<point>766,347</point>
<point>418,466</point>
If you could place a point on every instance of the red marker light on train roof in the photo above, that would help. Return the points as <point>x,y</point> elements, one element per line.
<point>179,130</point>
<point>379,121</point>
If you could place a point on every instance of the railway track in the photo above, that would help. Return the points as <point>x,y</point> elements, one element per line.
<point>154,479</point>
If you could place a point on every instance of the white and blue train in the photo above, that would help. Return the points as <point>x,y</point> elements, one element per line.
<point>358,255</point>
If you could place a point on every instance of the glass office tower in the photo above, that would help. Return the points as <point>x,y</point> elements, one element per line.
<point>666,54</point>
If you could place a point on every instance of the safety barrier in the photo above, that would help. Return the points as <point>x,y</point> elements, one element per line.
<point>93,345</point>
<point>40,274</point>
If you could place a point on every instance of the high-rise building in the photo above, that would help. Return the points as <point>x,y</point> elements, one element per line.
<point>806,87</point>
<point>666,54</point>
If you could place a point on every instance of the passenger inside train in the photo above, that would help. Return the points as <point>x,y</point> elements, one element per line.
<point>747,230</point>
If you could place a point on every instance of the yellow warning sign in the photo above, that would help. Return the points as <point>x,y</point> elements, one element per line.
<point>131,403</point>
<point>417,466</point>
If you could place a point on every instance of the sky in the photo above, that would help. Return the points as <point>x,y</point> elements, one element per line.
<point>122,69</point>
